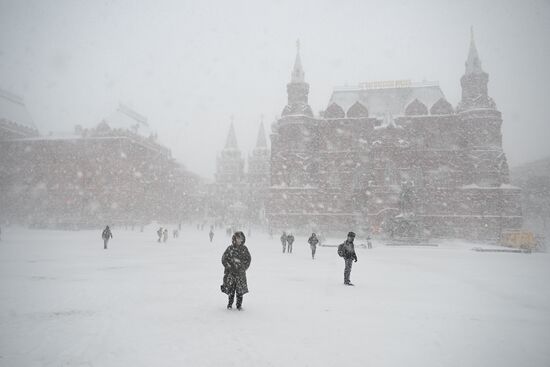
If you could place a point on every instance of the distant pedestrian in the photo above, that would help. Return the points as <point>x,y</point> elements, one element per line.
<point>211,234</point>
<point>106,235</point>
<point>283,241</point>
<point>236,260</point>
<point>313,241</point>
<point>369,243</point>
<point>165,235</point>
<point>159,233</point>
<point>175,233</point>
<point>347,251</point>
<point>290,241</point>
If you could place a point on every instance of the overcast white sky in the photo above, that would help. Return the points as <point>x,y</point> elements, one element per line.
<point>188,66</point>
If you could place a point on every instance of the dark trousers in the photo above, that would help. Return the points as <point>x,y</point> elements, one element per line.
<point>105,243</point>
<point>347,270</point>
<point>313,249</point>
<point>232,297</point>
<point>284,247</point>
<point>289,248</point>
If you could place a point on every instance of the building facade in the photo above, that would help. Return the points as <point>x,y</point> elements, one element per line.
<point>393,158</point>
<point>239,195</point>
<point>114,173</point>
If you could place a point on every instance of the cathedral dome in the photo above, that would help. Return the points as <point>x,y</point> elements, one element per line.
<point>416,108</point>
<point>334,111</point>
<point>358,110</point>
<point>441,107</point>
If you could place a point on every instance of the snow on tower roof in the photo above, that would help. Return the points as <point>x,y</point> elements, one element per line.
<point>12,108</point>
<point>231,142</point>
<point>387,96</point>
<point>261,142</point>
<point>128,119</point>
<point>473,63</point>
<point>298,74</point>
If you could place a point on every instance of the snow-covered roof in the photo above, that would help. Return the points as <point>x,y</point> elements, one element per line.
<point>128,119</point>
<point>393,100</point>
<point>12,108</point>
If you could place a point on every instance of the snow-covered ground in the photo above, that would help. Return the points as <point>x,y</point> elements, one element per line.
<point>64,301</point>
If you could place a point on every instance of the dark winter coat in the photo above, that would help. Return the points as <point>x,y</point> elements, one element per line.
<point>347,250</point>
<point>313,241</point>
<point>236,260</point>
<point>290,239</point>
<point>106,234</point>
<point>283,239</point>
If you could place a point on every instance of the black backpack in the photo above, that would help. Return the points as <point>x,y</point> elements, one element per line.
<point>341,250</point>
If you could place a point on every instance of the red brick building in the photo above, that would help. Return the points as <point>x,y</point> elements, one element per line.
<point>393,158</point>
<point>115,173</point>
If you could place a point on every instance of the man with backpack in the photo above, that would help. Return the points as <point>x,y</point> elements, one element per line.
<point>347,251</point>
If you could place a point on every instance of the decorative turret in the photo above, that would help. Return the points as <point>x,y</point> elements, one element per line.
<point>261,142</point>
<point>231,141</point>
<point>260,155</point>
<point>230,162</point>
<point>298,74</point>
<point>297,90</point>
<point>259,176</point>
<point>474,82</point>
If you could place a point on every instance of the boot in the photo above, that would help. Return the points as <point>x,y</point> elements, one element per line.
<point>239,302</point>
<point>230,303</point>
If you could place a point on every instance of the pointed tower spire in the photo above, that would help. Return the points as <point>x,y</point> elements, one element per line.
<point>298,75</point>
<point>261,142</point>
<point>297,89</point>
<point>231,142</point>
<point>473,63</point>
<point>230,164</point>
<point>474,82</point>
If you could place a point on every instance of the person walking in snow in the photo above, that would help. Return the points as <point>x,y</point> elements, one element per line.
<point>347,251</point>
<point>106,235</point>
<point>211,234</point>
<point>313,241</point>
<point>369,243</point>
<point>283,241</point>
<point>290,241</point>
<point>165,235</point>
<point>235,260</point>
<point>159,233</point>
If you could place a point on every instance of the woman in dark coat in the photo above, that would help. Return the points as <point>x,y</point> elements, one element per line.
<point>236,260</point>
